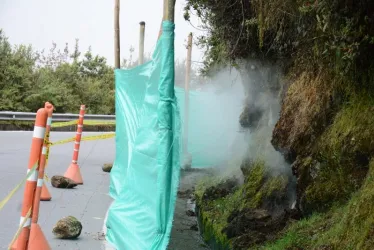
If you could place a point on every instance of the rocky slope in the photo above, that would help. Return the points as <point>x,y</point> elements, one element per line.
<point>309,69</point>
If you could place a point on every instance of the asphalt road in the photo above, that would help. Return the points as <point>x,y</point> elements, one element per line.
<point>88,202</point>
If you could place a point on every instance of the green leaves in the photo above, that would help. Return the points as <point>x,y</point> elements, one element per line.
<point>28,78</point>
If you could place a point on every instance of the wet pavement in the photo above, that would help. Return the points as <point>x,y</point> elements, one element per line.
<point>88,202</point>
<point>184,235</point>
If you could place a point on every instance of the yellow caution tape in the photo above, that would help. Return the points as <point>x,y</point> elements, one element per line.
<point>85,138</point>
<point>99,123</point>
<point>7,198</point>
<point>63,141</point>
<point>98,137</point>
<point>75,122</point>
<point>46,177</point>
<point>64,124</point>
<point>19,229</point>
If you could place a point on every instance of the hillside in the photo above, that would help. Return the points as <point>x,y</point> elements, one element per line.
<point>321,196</point>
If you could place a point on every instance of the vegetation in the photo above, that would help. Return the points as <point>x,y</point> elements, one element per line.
<point>302,33</point>
<point>28,78</point>
<point>325,129</point>
<point>222,203</point>
<point>345,227</point>
<point>343,152</point>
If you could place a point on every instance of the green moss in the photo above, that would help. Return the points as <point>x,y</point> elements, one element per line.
<point>203,184</point>
<point>343,153</point>
<point>209,232</point>
<point>344,227</point>
<point>352,130</point>
<point>256,188</point>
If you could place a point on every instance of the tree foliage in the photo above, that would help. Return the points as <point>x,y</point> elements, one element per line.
<point>336,33</point>
<point>28,78</point>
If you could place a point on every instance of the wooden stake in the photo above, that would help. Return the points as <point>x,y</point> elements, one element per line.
<point>169,6</point>
<point>117,51</point>
<point>141,43</point>
<point>186,93</point>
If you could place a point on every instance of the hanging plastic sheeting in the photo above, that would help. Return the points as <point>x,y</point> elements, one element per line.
<point>145,175</point>
<point>213,122</point>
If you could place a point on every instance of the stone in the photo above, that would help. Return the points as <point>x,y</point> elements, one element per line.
<point>184,194</point>
<point>67,228</point>
<point>194,227</point>
<point>59,181</point>
<point>221,190</point>
<point>190,213</point>
<point>107,167</point>
<point>187,162</point>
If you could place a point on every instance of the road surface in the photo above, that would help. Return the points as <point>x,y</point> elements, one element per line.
<point>88,202</point>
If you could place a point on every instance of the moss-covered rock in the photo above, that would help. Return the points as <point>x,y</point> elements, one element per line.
<point>67,228</point>
<point>338,161</point>
<point>107,167</point>
<point>244,215</point>
<point>349,226</point>
<point>308,108</point>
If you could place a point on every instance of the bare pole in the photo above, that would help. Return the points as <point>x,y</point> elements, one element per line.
<point>117,50</point>
<point>169,6</point>
<point>141,43</point>
<point>168,14</point>
<point>187,81</point>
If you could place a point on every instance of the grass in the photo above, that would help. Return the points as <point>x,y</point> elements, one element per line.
<point>344,227</point>
<point>255,189</point>
<point>343,152</point>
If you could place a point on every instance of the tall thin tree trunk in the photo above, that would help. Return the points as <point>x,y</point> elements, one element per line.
<point>141,43</point>
<point>117,50</point>
<point>186,93</point>
<point>169,7</point>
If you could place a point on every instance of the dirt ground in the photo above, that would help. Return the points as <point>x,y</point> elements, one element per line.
<point>185,235</point>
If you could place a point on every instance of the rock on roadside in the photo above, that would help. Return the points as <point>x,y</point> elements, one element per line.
<point>67,228</point>
<point>107,167</point>
<point>59,181</point>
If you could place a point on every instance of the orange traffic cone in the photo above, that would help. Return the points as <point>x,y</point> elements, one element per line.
<point>37,240</point>
<point>14,246</point>
<point>45,195</point>
<point>74,173</point>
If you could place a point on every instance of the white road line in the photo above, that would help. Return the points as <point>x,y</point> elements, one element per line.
<point>107,245</point>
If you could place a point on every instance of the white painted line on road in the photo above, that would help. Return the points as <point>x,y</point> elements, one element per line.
<point>107,245</point>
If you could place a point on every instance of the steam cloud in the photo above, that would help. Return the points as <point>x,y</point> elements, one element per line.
<point>255,88</point>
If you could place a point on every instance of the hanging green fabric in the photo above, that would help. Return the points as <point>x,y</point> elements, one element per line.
<point>149,113</point>
<point>146,170</point>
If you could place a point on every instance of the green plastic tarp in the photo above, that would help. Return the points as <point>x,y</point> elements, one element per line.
<point>146,171</point>
<point>149,117</point>
<point>213,124</point>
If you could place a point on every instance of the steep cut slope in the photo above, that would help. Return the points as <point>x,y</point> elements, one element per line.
<point>324,50</point>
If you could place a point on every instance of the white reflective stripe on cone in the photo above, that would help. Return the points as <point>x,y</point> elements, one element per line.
<point>39,132</point>
<point>39,183</point>
<point>49,121</point>
<point>33,176</point>
<point>27,222</point>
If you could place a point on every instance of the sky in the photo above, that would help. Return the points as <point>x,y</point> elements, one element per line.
<point>41,22</point>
